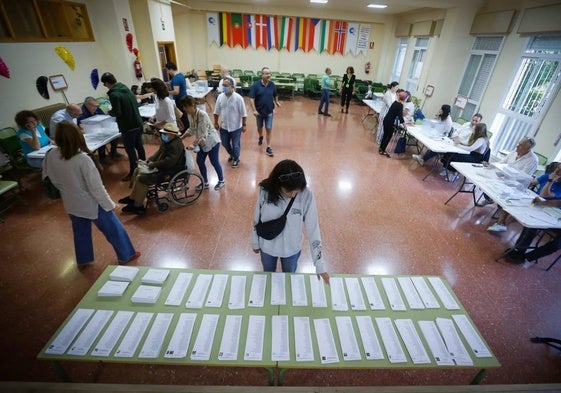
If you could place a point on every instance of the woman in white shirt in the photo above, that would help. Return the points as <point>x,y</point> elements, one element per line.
<point>478,146</point>
<point>165,107</point>
<point>444,119</point>
<point>389,97</point>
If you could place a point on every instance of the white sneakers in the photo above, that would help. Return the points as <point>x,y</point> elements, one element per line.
<point>485,202</point>
<point>496,227</point>
<point>418,158</point>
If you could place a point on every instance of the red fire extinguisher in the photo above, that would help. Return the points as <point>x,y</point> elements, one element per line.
<point>138,68</point>
<point>367,67</point>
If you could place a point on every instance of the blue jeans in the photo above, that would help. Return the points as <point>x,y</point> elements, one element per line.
<point>429,154</point>
<point>231,142</point>
<point>213,154</point>
<point>132,140</point>
<point>324,100</point>
<point>289,264</point>
<point>267,119</point>
<point>110,226</point>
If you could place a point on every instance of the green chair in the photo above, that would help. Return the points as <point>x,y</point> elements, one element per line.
<point>10,145</point>
<point>8,194</point>
<point>360,91</point>
<point>460,120</point>
<point>236,73</point>
<point>542,160</point>
<point>249,72</point>
<point>275,74</point>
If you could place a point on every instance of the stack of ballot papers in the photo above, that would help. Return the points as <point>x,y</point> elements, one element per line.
<point>124,273</point>
<point>155,276</point>
<point>146,294</point>
<point>113,289</point>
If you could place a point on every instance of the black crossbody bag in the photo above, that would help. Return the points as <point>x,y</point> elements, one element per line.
<point>270,229</point>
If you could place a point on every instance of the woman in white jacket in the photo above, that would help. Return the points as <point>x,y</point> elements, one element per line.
<point>390,96</point>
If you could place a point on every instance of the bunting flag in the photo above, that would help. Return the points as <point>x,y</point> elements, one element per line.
<point>237,31</point>
<point>250,30</point>
<point>339,37</point>
<point>224,28</point>
<point>261,31</point>
<point>314,34</point>
<point>363,38</point>
<point>352,39</point>
<point>300,33</point>
<point>323,36</point>
<point>213,28</point>
<point>273,32</point>
<point>285,33</point>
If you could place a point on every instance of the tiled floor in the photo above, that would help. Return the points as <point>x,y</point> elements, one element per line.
<point>377,216</point>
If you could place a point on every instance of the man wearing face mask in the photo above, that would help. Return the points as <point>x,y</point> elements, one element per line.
<point>230,107</point>
<point>168,160</point>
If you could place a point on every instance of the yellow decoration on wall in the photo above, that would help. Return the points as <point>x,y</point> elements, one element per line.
<point>66,55</point>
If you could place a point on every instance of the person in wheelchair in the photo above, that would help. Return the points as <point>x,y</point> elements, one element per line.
<point>168,160</point>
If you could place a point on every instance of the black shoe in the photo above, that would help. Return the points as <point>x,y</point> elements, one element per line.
<point>327,114</point>
<point>126,200</point>
<point>347,110</point>
<point>134,209</point>
<point>320,113</point>
<point>260,141</point>
<point>514,255</point>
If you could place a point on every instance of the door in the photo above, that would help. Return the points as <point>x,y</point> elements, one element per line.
<point>166,52</point>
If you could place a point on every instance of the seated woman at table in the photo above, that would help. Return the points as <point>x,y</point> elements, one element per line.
<point>443,126</point>
<point>165,107</point>
<point>143,94</point>
<point>549,186</point>
<point>478,145</point>
<point>31,135</point>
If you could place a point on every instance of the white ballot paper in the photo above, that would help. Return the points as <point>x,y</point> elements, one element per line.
<point>355,294</point>
<point>347,338</point>
<point>298,289</point>
<point>317,288</point>
<point>391,341</point>
<point>94,327</point>
<point>475,342</point>
<point>124,273</point>
<point>373,293</point>
<point>155,276</point>
<point>203,343</point>
<point>412,341</point>
<point>113,289</point>
<point>392,292</point>
<point>338,296</point>
<point>254,340</point>
<point>326,342</point>
<point>411,294</point>
<point>237,293</point>
<point>132,338</point>
<point>370,343</point>
<point>146,294</point>
<point>197,297</point>
<point>217,289</point>
<point>153,343</point>
<point>280,344</point>
<point>443,293</point>
<point>436,343</point>
<point>114,331</point>
<point>69,332</point>
<point>257,291</point>
<point>278,289</point>
<point>230,338</point>
<point>453,342</point>
<point>303,339</point>
<point>424,291</point>
<point>177,293</point>
<point>179,343</point>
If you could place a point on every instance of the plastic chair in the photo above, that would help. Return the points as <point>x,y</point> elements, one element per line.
<point>461,121</point>
<point>542,160</point>
<point>10,145</point>
<point>8,195</point>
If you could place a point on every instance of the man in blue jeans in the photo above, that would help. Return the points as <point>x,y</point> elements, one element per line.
<point>326,86</point>
<point>230,107</point>
<point>125,108</point>
<point>263,97</point>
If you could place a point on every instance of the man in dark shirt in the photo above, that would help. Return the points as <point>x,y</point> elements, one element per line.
<point>263,97</point>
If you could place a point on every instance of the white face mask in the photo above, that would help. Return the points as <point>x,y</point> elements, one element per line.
<point>225,89</point>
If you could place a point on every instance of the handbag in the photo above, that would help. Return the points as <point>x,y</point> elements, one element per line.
<point>269,230</point>
<point>400,145</point>
<point>48,187</point>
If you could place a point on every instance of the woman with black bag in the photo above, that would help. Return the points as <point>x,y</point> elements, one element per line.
<point>286,185</point>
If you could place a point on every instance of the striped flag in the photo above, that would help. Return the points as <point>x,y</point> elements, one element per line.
<point>224,28</point>
<point>237,32</point>
<point>286,33</point>
<point>352,39</point>
<point>301,29</point>
<point>250,30</point>
<point>314,34</point>
<point>213,28</point>
<point>323,37</point>
<point>261,31</point>
<point>339,37</point>
<point>273,32</point>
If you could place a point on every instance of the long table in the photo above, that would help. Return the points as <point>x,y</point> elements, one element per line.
<point>374,108</point>
<point>274,320</point>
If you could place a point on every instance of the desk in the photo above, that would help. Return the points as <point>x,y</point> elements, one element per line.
<point>273,339</point>
<point>285,85</point>
<point>374,108</point>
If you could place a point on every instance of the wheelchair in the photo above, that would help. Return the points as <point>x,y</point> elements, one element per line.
<point>181,188</point>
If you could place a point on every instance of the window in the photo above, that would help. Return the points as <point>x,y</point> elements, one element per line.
<point>417,62</point>
<point>530,94</point>
<point>480,65</point>
<point>44,20</point>
<point>399,58</point>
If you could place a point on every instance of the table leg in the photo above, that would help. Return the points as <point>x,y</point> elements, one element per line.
<point>61,372</point>
<point>479,377</point>
<point>271,372</point>
<point>280,380</point>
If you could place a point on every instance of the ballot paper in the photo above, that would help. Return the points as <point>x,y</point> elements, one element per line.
<point>112,334</point>
<point>443,293</point>
<point>205,337</point>
<point>254,338</point>
<point>455,346</point>
<point>373,293</point>
<point>424,291</point>
<point>198,293</point>
<point>179,343</point>
<point>257,292</point>
<point>391,341</point>
<point>347,338</point>
<point>134,334</point>
<point>155,276</point>
<point>230,338</point>
<point>392,292</point>
<point>217,289</point>
<point>338,297</point>
<point>413,298</point>
<point>436,343</point>
<point>280,344</point>
<point>303,339</point>
<point>298,289</point>
<point>124,273</point>
<point>237,293</point>
<point>278,289</point>
<point>370,342</point>
<point>412,341</point>
<point>113,289</point>
<point>177,293</point>
<point>69,332</point>
<point>318,292</point>
<point>155,339</point>
<point>146,294</point>
<point>474,340</point>
<point>326,342</point>
<point>355,294</point>
<point>90,333</point>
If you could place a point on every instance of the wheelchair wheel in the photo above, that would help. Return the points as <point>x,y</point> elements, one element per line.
<point>163,206</point>
<point>185,187</point>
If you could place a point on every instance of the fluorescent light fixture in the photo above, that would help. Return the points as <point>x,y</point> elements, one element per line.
<point>319,1</point>
<point>377,5</point>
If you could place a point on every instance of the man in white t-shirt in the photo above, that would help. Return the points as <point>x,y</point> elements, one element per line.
<point>464,132</point>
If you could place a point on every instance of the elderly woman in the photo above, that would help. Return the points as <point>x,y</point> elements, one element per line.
<point>31,135</point>
<point>85,199</point>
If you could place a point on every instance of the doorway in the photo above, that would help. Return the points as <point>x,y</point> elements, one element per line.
<point>166,52</point>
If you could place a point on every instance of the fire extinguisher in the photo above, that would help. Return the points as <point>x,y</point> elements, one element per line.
<point>367,68</point>
<point>138,68</point>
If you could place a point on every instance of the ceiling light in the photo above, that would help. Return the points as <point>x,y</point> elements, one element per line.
<point>319,1</point>
<point>377,5</point>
